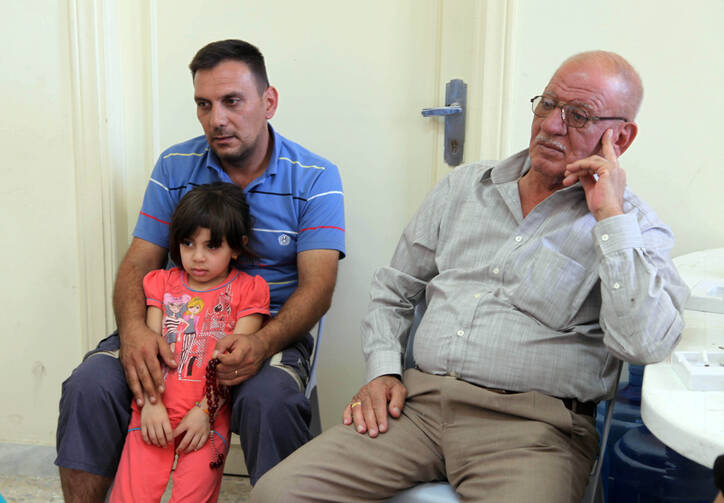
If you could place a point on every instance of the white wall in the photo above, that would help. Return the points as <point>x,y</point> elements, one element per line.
<point>344,94</point>
<point>675,163</point>
<point>39,257</point>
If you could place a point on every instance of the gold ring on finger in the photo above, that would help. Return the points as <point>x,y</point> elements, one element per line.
<point>355,404</point>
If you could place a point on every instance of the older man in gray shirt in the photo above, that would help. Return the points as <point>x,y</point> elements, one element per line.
<point>539,272</point>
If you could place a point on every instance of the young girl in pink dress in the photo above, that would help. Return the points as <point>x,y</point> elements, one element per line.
<point>192,307</point>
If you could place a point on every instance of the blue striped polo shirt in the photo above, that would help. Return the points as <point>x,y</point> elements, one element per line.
<point>297,204</point>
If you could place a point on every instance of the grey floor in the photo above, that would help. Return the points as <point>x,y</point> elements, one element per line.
<point>27,474</point>
<point>17,488</point>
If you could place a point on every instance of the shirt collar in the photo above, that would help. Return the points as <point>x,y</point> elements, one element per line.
<point>508,170</point>
<point>513,168</point>
<point>271,169</point>
<point>213,163</point>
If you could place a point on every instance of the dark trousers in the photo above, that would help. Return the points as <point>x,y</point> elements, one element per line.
<point>270,412</point>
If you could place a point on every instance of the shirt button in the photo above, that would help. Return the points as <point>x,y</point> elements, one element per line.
<point>518,239</point>
<point>461,333</point>
<point>496,270</point>
<point>604,237</point>
<point>616,286</point>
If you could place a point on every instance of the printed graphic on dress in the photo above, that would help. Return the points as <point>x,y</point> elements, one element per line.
<point>174,324</point>
<point>205,325</point>
<point>191,317</point>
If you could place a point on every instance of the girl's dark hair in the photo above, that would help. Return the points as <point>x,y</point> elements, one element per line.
<point>221,208</point>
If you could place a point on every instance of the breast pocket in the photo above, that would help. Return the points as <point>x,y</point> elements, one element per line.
<point>550,288</point>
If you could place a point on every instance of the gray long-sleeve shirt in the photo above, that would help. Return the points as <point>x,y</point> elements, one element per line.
<point>542,303</point>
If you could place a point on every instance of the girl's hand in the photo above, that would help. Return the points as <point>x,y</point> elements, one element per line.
<point>155,426</point>
<point>195,425</point>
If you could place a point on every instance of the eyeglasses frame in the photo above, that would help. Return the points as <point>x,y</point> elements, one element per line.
<point>563,105</point>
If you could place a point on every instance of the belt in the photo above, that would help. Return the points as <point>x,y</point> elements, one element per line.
<point>585,408</point>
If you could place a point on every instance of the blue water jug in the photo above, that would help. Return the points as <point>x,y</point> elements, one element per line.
<point>644,470</point>
<point>626,415</point>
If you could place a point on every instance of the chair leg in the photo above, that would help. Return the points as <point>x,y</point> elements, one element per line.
<point>315,425</point>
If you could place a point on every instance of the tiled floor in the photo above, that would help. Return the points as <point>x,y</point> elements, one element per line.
<point>27,474</point>
<point>36,489</point>
<point>27,489</point>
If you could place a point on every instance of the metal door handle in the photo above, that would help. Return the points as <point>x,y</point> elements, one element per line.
<point>454,113</point>
<point>453,109</point>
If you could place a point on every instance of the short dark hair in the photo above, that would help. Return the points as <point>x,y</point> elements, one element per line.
<point>214,53</point>
<point>221,208</point>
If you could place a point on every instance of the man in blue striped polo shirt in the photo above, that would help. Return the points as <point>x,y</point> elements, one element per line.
<point>296,201</point>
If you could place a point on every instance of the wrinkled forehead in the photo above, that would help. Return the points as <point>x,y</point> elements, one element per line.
<point>591,85</point>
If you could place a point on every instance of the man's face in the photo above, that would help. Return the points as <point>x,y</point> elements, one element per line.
<point>232,111</point>
<point>554,144</point>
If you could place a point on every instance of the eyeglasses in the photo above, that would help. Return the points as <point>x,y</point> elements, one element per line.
<point>573,115</point>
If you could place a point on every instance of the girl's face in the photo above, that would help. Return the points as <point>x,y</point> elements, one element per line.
<point>206,265</point>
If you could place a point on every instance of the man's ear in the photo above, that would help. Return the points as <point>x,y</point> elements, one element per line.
<point>625,137</point>
<point>271,100</point>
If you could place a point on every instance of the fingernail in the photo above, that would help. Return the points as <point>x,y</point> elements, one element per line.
<point>139,402</point>
<point>215,354</point>
<point>361,429</point>
<point>396,410</point>
<point>373,432</point>
<point>347,421</point>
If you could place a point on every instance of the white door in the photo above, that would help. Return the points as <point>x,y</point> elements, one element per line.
<point>353,78</point>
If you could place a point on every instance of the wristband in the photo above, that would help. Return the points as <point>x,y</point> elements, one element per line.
<point>205,411</point>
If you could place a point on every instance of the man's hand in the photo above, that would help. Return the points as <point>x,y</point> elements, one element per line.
<point>155,426</point>
<point>139,356</point>
<point>369,408</point>
<point>241,357</point>
<point>195,426</point>
<point>605,195</point>
<point>140,346</point>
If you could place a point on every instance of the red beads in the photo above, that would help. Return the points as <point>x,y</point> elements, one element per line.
<point>214,393</point>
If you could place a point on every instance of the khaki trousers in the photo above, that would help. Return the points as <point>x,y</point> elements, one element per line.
<point>491,448</point>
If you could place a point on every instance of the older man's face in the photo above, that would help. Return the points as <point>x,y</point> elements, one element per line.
<point>554,144</point>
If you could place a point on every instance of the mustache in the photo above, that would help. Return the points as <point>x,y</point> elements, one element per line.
<point>542,139</point>
<point>220,131</point>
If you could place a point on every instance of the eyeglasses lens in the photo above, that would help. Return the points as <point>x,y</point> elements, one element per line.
<point>573,115</point>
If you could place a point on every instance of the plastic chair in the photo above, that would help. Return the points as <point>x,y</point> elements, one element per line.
<point>442,492</point>
<point>311,390</point>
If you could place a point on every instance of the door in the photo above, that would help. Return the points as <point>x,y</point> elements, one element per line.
<point>352,80</point>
